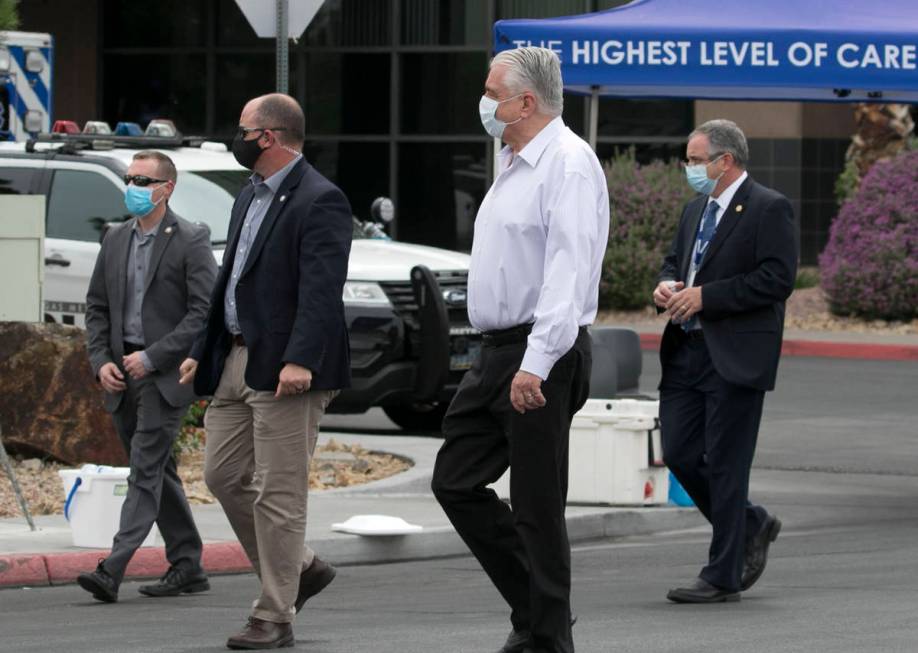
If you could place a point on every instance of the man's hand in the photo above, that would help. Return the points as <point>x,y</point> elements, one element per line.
<point>111,378</point>
<point>186,371</point>
<point>665,290</point>
<point>133,365</point>
<point>294,380</point>
<point>526,392</point>
<point>684,304</point>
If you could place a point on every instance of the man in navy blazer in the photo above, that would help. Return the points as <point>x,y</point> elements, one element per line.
<point>730,269</point>
<point>273,354</point>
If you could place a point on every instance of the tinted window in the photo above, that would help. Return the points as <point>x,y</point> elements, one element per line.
<point>81,202</point>
<point>15,181</point>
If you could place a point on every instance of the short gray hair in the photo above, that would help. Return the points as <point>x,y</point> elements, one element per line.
<point>537,70</point>
<point>724,137</point>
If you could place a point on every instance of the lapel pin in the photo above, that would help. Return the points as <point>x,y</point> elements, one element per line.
<point>283,197</point>
<point>739,208</point>
<point>168,230</point>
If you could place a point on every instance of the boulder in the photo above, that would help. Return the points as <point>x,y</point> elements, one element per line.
<point>50,402</point>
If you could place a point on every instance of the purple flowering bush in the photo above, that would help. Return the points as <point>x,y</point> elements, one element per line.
<point>646,202</point>
<point>870,266</point>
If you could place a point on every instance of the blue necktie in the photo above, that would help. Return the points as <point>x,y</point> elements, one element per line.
<point>702,241</point>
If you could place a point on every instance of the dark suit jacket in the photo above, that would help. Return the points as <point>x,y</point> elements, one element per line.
<point>288,296</point>
<point>746,275</point>
<point>178,285</point>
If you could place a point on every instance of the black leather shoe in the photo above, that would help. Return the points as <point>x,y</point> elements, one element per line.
<point>259,634</point>
<point>517,642</point>
<point>100,584</point>
<point>701,591</point>
<point>177,581</point>
<point>757,551</point>
<point>314,580</point>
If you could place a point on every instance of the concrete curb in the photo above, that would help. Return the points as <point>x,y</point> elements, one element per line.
<point>823,349</point>
<point>44,569</point>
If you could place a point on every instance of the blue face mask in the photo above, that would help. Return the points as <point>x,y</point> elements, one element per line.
<point>697,177</point>
<point>487,109</point>
<point>139,200</point>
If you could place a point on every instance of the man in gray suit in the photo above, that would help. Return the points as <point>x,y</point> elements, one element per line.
<point>148,299</point>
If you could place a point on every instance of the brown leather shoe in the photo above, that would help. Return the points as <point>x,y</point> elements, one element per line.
<point>260,634</point>
<point>314,580</point>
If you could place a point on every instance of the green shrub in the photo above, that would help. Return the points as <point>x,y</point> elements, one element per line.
<point>646,201</point>
<point>807,277</point>
<point>190,435</point>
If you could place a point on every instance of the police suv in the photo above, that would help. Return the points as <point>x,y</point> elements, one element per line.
<point>405,304</point>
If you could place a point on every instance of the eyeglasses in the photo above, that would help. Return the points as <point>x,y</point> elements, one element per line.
<point>245,131</point>
<point>142,180</point>
<point>694,162</point>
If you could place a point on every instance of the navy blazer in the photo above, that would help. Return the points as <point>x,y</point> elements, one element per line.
<point>288,296</point>
<point>747,274</point>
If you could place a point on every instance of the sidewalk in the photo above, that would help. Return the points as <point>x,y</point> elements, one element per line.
<point>47,557</point>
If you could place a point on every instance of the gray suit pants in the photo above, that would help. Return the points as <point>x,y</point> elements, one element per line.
<point>148,425</point>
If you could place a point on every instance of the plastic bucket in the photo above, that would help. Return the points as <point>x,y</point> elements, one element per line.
<point>95,494</point>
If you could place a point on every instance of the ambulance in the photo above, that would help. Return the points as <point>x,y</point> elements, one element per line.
<point>26,74</point>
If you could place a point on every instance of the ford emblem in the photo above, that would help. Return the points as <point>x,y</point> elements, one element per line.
<point>455,297</point>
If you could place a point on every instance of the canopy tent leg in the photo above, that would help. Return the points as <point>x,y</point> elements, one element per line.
<point>594,116</point>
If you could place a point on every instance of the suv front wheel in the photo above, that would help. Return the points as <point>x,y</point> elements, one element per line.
<point>418,416</point>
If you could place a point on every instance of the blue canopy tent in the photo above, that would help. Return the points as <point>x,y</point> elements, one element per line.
<point>816,50</point>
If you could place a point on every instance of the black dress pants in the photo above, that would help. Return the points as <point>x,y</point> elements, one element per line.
<point>525,551</point>
<point>709,429</point>
<point>147,425</point>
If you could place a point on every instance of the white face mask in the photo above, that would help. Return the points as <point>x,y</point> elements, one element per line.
<point>487,109</point>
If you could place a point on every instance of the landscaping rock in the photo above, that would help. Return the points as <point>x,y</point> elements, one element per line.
<point>50,403</point>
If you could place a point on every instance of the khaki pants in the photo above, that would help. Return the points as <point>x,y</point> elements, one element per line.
<point>257,465</point>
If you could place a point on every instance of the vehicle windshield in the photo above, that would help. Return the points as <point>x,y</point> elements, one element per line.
<point>207,196</point>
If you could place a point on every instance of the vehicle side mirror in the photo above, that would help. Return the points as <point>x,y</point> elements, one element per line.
<point>382,210</point>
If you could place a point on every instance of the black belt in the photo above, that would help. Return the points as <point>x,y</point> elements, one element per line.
<point>694,334</point>
<point>512,335</point>
<point>237,340</point>
<point>131,347</point>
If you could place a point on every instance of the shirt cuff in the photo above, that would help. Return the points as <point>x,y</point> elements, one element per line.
<point>537,363</point>
<point>146,362</point>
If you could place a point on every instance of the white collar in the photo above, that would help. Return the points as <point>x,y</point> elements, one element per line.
<point>727,196</point>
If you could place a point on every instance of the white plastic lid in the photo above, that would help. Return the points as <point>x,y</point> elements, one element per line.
<point>375,525</point>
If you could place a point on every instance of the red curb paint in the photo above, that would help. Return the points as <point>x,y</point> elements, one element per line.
<point>822,349</point>
<point>866,351</point>
<point>19,571</point>
<point>225,557</point>
<point>65,567</point>
<point>34,569</point>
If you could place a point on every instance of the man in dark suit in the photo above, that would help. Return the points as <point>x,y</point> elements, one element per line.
<point>273,354</point>
<point>724,282</point>
<point>147,301</point>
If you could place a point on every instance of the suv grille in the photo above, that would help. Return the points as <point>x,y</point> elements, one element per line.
<point>401,294</point>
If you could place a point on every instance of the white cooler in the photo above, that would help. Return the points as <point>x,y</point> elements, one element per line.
<point>615,455</point>
<point>95,494</point>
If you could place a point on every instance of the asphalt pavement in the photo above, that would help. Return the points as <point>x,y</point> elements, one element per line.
<point>836,461</point>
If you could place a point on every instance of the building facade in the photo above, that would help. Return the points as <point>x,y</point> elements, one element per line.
<point>391,89</point>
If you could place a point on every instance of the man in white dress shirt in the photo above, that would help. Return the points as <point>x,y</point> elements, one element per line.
<point>540,236</point>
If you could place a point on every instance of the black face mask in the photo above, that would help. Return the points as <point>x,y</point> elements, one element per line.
<point>246,152</point>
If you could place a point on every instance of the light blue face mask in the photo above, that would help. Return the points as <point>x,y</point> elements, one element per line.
<point>697,177</point>
<point>139,201</point>
<point>487,109</point>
